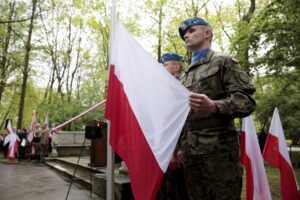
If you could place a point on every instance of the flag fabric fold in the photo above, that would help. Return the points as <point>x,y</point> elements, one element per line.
<point>276,153</point>
<point>257,187</point>
<point>13,139</point>
<point>147,108</point>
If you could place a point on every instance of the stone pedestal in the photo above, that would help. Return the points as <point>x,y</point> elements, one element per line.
<point>54,151</point>
<point>54,146</point>
<point>123,169</point>
<point>122,188</point>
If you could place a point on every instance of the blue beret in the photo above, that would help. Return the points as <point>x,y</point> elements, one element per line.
<point>171,56</point>
<point>188,23</point>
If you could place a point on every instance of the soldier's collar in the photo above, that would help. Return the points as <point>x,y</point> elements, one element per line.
<point>181,75</point>
<point>199,55</point>
<point>203,60</point>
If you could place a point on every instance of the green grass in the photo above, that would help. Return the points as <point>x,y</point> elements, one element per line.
<point>273,176</point>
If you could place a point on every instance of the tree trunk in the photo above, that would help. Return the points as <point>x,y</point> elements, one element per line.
<point>68,60</point>
<point>77,65</point>
<point>26,66</point>
<point>245,52</point>
<point>247,18</point>
<point>3,62</point>
<point>4,118</point>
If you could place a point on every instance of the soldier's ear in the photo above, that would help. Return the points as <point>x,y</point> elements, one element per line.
<point>208,32</point>
<point>177,66</point>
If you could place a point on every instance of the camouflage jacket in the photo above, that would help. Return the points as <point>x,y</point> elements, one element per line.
<point>222,79</point>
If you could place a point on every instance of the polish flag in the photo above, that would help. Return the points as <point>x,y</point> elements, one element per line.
<point>47,126</point>
<point>276,153</point>
<point>47,121</point>
<point>257,187</point>
<point>31,133</point>
<point>13,139</point>
<point>147,108</point>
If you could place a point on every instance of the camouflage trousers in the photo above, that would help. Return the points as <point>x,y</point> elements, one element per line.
<point>173,186</point>
<point>214,176</point>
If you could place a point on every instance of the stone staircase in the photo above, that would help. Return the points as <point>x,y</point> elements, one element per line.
<point>92,178</point>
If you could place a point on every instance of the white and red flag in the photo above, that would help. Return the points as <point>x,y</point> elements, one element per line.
<point>257,187</point>
<point>47,121</point>
<point>13,139</point>
<point>147,108</point>
<point>276,153</point>
<point>31,133</point>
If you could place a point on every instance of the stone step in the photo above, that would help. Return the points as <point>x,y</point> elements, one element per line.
<point>92,178</point>
<point>122,186</point>
<point>73,150</point>
<point>82,176</point>
<point>71,162</point>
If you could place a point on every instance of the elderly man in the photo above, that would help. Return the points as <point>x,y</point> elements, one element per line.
<point>173,186</point>
<point>220,92</point>
<point>173,63</point>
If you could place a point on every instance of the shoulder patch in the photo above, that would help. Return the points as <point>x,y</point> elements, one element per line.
<point>234,60</point>
<point>244,77</point>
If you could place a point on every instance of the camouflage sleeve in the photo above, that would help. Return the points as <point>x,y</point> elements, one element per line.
<point>238,88</point>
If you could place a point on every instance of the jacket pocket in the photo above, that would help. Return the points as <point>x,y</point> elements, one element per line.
<point>210,83</point>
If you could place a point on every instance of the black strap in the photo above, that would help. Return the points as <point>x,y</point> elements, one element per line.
<point>206,123</point>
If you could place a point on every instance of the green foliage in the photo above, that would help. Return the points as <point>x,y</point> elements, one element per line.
<point>78,21</point>
<point>77,3</point>
<point>59,112</point>
<point>273,176</point>
<point>282,92</point>
<point>276,52</point>
<point>75,33</point>
<point>282,33</point>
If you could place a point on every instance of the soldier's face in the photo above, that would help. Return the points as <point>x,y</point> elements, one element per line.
<point>196,38</point>
<point>172,66</point>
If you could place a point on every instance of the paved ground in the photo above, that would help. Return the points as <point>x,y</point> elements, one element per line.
<point>31,181</point>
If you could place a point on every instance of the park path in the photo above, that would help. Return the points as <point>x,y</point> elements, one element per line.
<point>31,181</point>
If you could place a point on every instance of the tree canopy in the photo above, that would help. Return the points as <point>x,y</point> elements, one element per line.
<point>54,54</point>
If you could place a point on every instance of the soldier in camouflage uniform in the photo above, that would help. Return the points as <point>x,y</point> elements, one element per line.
<point>173,184</point>
<point>220,91</point>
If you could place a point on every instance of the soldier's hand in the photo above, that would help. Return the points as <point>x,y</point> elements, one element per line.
<point>202,104</point>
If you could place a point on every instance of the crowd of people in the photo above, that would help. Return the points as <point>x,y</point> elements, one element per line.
<point>33,144</point>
